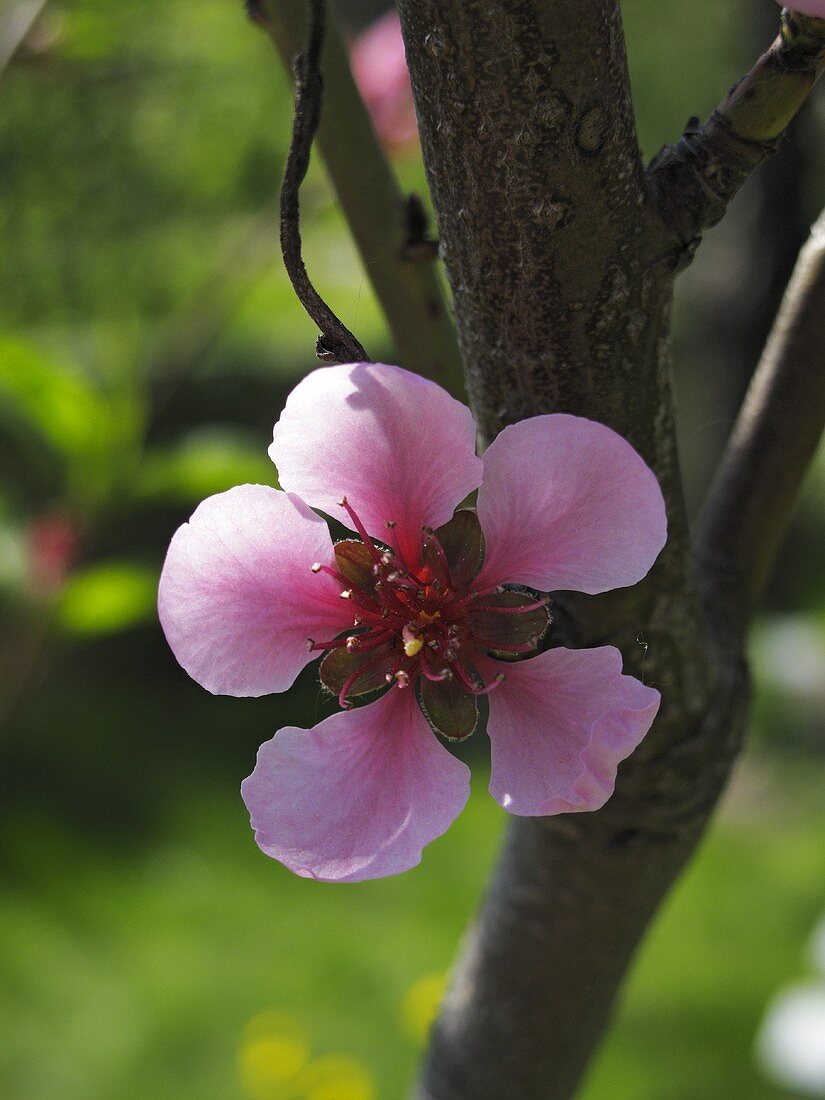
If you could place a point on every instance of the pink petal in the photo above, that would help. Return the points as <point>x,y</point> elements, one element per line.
<point>566,503</point>
<point>807,7</point>
<point>358,796</point>
<point>237,598</point>
<point>397,446</point>
<point>559,725</point>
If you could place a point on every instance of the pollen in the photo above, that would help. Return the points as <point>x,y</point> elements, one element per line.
<point>413,642</point>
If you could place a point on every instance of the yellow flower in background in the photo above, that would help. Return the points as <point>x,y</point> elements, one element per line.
<point>420,1004</point>
<point>274,1050</point>
<point>274,1064</point>
<point>337,1077</point>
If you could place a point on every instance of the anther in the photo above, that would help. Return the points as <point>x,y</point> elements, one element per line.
<point>402,680</point>
<point>353,643</point>
<point>389,524</point>
<point>316,567</point>
<point>310,645</point>
<point>412,643</point>
<point>346,594</point>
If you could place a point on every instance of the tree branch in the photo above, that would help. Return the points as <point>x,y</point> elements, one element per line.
<point>16,23</point>
<point>530,148</point>
<point>772,444</point>
<point>692,182</point>
<point>408,290</point>
<point>551,251</point>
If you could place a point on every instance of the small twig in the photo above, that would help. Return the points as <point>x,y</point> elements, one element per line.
<point>692,183</point>
<point>409,293</point>
<point>419,245</point>
<point>336,343</point>
<point>773,442</point>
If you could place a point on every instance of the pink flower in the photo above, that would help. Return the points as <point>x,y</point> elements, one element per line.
<point>807,7</point>
<point>422,606</point>
<point>379,66</point>
<point>53,540</point>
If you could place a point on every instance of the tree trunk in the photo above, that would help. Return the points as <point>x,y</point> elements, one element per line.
<point>561,257</point>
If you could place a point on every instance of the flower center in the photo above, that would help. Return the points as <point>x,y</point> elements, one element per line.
<point>422,620</point>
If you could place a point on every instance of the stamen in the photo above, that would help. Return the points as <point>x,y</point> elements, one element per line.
<point>351,679</point>
<point>436,677</point>
<point>473,596</point>
<point>464,677</point>
<point>370,640</point>
<point>361,529</point>
<point>431,540</point>
<point>544,602</point>
<point>477,687</point>
<point>364,599</point>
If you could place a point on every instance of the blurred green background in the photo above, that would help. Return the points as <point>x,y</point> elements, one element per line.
<point>147,340</point>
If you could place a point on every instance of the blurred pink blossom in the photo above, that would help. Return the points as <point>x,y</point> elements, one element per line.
<point>52,541</point>
<point>380,70</point>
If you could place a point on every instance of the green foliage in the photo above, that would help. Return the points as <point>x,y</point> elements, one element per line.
<point>108,597</point>
<point>204,461</point>
<point>89,430</point>
<point>137,972</point>
<point>147,337</point>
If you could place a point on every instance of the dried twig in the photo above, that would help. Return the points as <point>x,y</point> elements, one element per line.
<point>336,344</point>
<point>408,290</point>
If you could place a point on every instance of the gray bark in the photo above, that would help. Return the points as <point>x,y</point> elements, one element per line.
<point>561,254</point>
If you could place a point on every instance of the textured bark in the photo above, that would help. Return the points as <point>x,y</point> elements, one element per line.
<point>561,260</point>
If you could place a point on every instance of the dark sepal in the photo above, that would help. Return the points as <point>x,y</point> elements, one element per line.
<point>355,562</point>
<point>339,664</point>
<point>499,630</point>
<point>462,541</point>
<point>450,710</point>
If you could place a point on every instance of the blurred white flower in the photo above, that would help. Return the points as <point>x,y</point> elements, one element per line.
<point>791,1043</point>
